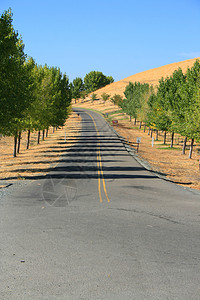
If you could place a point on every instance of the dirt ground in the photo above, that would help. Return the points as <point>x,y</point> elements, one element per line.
<point>36,161</point>
<point>170,162</point>
<point>39,158</point>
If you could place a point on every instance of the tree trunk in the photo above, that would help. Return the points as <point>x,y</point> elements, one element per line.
<point>15,146</point>
<point>140,125</point>
<point>135,121</point>
<point>144,127</point>
<point>172,140</point>
<point>130,119</point>
<point>156,135</point>
<point>149,131</point>
<point>165,135</point>
<point>47,132</point>
<point>184,145</point>
<point>28,139</point>
<point>38,139</point>
<point>19,141</point>
<point>191,148</point>
<point>43,132</point>
<point>53,129</point>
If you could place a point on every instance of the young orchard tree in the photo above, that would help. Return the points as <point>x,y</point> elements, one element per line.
<point>156,115</point>
<point>94,97</point>
<point>62,98</point>
<point>105,97</point>
<point>172,107</point>
<point>181,100</point>
<point>31,86</point>
<point>77,88</point>
<point>117,99</point>
<point>53,98</point>
<point>41,107</point>
<point>133,93</point>
<point>171,99</point>
<point>142,113</point>
<point>83,95</point>
<point>177,102</point>
<point>193,77</point>
<point>192,121</point>
<point>191,95</point>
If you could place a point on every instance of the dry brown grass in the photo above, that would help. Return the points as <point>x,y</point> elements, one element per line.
<point>179,168</point>
<point>39,158</point>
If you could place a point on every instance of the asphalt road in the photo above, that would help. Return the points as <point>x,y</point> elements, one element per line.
<point>99,226</point>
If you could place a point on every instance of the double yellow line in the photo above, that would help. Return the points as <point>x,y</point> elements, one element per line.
<point>99,166</point>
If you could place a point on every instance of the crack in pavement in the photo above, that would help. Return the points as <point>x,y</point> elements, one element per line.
<point>148,213</point>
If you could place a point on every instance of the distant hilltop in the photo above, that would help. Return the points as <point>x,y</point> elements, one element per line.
<point>151,76</point>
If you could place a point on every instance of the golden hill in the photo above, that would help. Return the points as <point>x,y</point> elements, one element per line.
<point>151,76</point>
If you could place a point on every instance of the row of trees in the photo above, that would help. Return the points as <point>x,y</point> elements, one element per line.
<point>92,81</point>
<point>32,97</point>
<point>174,106</point>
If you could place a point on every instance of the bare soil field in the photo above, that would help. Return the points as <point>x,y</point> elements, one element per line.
<point>151,76</point>
<point>170,162</point>
<point>39,158</point>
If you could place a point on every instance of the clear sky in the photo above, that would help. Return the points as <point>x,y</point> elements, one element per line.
<point>117,37</point>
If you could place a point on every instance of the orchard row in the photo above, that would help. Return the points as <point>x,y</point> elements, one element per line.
<point>173,106</point>
<point>34,97</point>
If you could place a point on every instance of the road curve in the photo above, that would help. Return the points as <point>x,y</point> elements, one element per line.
<point>100,226</point>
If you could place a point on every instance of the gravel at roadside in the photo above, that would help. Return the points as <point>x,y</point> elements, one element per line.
<point>8,187</point>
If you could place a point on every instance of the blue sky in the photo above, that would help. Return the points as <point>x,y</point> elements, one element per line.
<point>117,37</point>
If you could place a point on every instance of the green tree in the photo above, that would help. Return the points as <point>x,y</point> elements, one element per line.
<point>133,93</point>
<point>110,79</point>
<point>14,85</point>
<point>142,112</point>
<point>172,106</point>
<point>160,113</point>
<point>51,100</point>
<point>189,94</point>
<point>94,97</point>
<point>76,88</point>
<point>83,95</point>
<point>31,97</point>
<point>96,80</point>
<point>53,97</point>
<point>156,116</point>
<point>192,118</point>
<point>117,99</point>
<point>61,98</point>
<point>105,97</point>
<point>31,87</point>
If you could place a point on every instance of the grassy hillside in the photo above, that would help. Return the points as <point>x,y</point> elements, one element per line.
<point>151,76</point>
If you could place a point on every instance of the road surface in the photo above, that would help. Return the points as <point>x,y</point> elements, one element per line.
<point>100,226</point>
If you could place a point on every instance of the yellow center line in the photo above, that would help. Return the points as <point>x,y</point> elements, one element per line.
<point>99,166</point>
<point>104,185</point>
<point>99,181</point>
